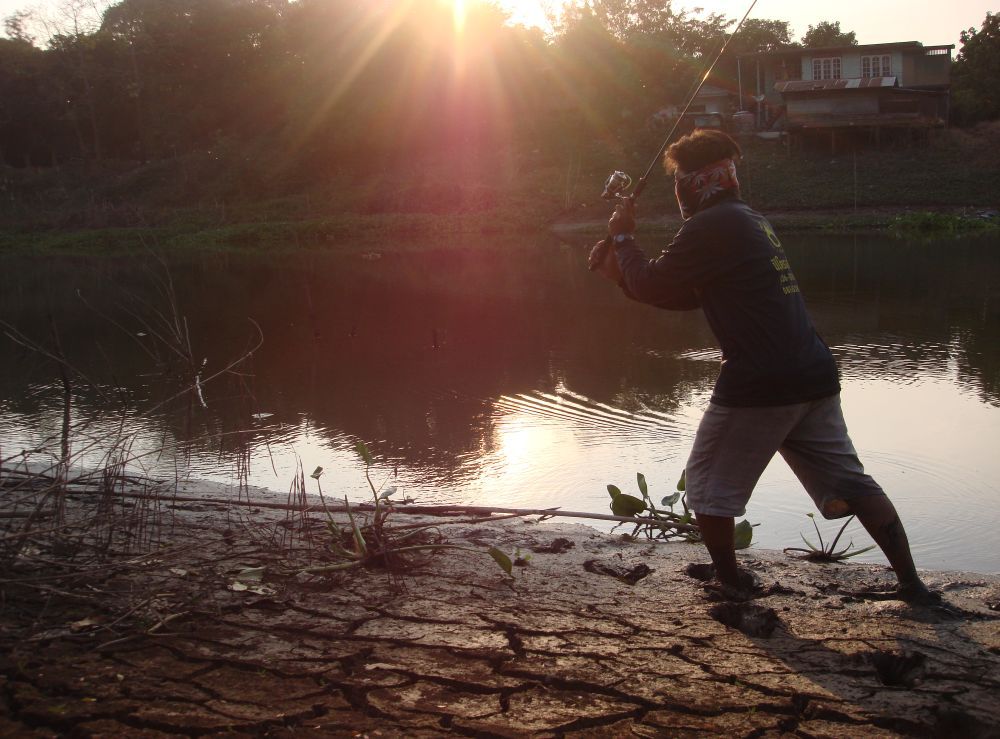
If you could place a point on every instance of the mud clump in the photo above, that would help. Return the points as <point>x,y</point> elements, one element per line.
<point>702,572</point>
<point>899,670</point>
<point>748,618</point>
<point>556,546</point>
<point>628,575</point>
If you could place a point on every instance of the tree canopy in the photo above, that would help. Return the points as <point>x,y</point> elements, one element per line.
<point>827,33</point>
<point>760,35</point>
<point>340,84</point>
<point>976,72</point>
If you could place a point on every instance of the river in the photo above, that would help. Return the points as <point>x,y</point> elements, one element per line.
<point>503,374</point>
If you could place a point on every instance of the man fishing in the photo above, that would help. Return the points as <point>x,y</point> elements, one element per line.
<point>778,389</point>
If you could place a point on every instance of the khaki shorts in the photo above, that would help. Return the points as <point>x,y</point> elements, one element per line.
<point>734,445</point>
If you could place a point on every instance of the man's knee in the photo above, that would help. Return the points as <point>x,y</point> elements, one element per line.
<point>855,506</point>
<point>862,504</point>
<point>835,508</point>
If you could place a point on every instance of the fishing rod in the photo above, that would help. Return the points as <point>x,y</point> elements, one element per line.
<point>618,182</point>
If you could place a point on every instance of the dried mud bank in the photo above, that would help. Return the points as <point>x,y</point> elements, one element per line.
<point>195,639</point>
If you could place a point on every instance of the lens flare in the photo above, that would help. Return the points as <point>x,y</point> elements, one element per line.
<point>458,12</point>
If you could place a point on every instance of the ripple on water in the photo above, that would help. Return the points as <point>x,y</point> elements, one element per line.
<point>953,496</point>
<point>591,421</point>
<point>711,354</point>
<point>906,360</point>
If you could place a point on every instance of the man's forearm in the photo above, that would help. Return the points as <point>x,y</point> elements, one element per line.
<point>648,281</point>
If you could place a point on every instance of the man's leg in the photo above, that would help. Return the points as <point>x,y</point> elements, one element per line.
<point>717,534</point>
<point>822,456</point>
<point>878,515</point>
<point>731,450</point>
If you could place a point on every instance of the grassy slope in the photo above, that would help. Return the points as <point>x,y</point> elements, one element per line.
<point>211,202</point>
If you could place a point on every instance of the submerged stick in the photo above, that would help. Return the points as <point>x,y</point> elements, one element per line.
<point>418,509</point>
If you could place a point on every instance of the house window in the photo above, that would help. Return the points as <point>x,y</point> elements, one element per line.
<point>876,66</point>
<point>827,68</point>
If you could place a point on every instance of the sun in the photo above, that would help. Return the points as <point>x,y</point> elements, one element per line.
<point>458,13</point>
<point>530,12</point>
<point>521,12</point>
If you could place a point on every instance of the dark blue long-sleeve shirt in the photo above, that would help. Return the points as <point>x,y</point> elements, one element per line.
<point>728,260</point>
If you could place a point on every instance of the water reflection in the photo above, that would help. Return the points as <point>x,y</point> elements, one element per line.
<point>511,375</point>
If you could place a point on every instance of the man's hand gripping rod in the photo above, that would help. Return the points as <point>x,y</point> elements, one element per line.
<point>619,182</point>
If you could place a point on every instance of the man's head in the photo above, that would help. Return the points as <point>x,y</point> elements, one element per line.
<point>704,167</point>
<point>699,149</point>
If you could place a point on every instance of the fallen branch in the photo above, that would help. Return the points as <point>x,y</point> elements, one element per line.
<point>416,509</point>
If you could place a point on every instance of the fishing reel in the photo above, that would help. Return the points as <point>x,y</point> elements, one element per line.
<point>614,189</point>
<point>616,186</point>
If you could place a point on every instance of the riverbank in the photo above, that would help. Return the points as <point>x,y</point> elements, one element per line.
<point>398,233</point>
<point>205,202</point>
<point>904,221</point>
<point>215,628</point>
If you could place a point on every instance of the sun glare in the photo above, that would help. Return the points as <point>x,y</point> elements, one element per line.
<point>528,12</point>
<point>458,11</point>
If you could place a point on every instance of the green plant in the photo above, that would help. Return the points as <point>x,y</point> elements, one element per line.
<point>824,553</point>
<point>668,524</point>
<point>368,540</point>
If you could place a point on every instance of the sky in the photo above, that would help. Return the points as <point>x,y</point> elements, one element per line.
<point>888,20</point>
<point>930,23</point>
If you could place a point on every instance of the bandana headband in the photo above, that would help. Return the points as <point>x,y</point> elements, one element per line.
<point>694,190</point>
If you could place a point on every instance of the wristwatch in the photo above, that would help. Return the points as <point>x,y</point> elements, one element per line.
<point>622,238</point>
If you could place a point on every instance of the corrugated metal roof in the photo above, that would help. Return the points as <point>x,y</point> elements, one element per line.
<point>853,83</point>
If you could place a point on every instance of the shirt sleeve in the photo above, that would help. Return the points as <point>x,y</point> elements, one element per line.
<point>672,280</point>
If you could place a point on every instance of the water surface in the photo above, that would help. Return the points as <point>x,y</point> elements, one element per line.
<point>506,374</point>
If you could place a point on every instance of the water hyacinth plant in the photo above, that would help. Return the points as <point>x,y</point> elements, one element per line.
<point>663,518</point>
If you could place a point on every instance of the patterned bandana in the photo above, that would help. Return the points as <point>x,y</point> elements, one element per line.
<point>696,189</point>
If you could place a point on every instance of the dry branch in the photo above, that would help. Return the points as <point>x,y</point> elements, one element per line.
<point>438,510</point>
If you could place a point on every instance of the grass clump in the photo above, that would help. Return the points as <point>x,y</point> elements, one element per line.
<point>369,540</point>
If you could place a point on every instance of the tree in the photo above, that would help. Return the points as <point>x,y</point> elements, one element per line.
<point>16,27</point>
<point>625,19</point>
<point>760,35</point>
<point>975,73</point>
<point>72,43</point>
<point>594,67</point>
<point>828,33</point>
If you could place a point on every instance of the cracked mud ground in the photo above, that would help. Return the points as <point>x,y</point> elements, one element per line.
<point>163,645</point>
